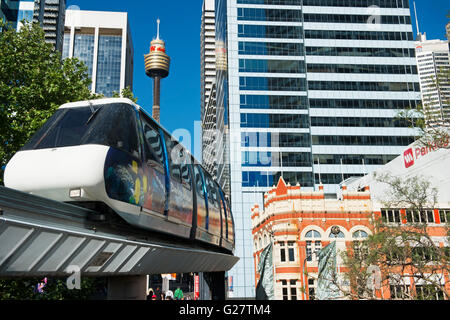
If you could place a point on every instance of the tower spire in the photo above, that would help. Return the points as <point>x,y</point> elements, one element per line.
<point>157,28</point>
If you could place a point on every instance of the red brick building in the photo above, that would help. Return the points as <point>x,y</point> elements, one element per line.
<point>299,224</point>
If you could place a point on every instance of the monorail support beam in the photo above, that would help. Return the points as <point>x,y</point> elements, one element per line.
<point>127,288</point>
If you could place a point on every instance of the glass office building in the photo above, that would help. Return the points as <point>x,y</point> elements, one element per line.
<point>313,90</point>
<point>108,64</point>
<point>102,40</point>
<point>14,11</point>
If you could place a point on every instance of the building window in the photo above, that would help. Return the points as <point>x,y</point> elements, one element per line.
<point>424,254</point>
<point>390,216</point>
<point>312,234</point>
<point>360,234</point>
<point>312,250</point>
<point>289,289</point>
<point>293,288</point>
<point>282,252</point>
<point>399,292</point>
<point>359,248</point>
<point>312,289</point>
<point>291,251</point>
<point>313,246</point>
<point>415,216</point>
<point>339,235</point>
<point>445,216</point>
<point>424,292</point>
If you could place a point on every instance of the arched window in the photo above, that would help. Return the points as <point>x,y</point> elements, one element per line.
<point>312,234</point>
<point>360,249</point>
<point>265,239</point>
<point>360,234</point>
<point>313,246</point>
<point>339,235</point>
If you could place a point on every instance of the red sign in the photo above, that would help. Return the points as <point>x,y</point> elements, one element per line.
<point>196,287</point>
<point>408,155</point>
<point>157,48</point>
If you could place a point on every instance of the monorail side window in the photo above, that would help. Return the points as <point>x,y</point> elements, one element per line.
<point>153,150</point>
<point>212,192</point>
<point>174,153</point>
<point>198,182</point>
<point>185,174</point>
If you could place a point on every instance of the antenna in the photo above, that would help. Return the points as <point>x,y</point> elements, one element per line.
<point>157,28</point>
<point>417,20</point>
<point>342,171</point>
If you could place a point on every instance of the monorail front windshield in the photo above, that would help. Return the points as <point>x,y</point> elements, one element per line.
<point>112,125</point>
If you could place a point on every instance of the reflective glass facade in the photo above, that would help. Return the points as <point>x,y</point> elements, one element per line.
<point>313,87</point>
<point>108,64</point>
<point>83,49</point>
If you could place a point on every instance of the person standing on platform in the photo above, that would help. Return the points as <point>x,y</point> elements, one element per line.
<point>178,295</point>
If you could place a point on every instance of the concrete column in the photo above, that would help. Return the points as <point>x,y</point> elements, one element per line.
<point>72,40</point>
<point>95,60</point>
<point>127,288</point>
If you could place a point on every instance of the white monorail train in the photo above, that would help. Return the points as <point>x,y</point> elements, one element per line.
<point>111,152</point>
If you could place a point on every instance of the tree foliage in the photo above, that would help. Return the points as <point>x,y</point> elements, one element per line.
<point>34,81</point>
<point>125,93</point>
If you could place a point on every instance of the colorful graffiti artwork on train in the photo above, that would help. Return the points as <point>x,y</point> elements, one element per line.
<point>126,180</point>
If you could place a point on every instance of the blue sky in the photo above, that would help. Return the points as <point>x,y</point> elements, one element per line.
<point>180,29</point>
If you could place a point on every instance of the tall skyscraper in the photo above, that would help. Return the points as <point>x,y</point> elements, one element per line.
<point>207,53</point>
<point>50,15</point>
<point>312,90</point>
<point>215,152</point>
<point>102,40</point>
<point>433,61</point>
